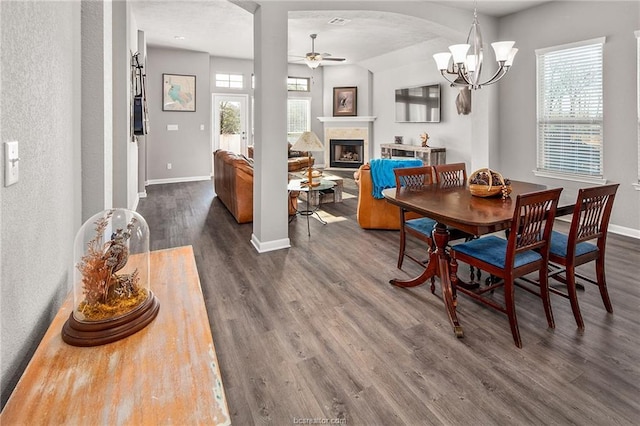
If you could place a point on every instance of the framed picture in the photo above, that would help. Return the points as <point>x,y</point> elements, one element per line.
<point>345,101</point>
<point>178,92</point>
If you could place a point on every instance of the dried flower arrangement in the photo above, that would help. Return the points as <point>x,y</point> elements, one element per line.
<point>106,293</point>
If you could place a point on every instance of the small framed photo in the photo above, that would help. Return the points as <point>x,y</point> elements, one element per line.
<point>345,101</point>
<point>178,92</point>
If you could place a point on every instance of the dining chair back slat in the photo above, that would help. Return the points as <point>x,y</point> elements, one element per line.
<point>451,174</point>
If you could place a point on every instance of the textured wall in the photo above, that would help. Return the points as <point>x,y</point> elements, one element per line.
<point>40,97</point>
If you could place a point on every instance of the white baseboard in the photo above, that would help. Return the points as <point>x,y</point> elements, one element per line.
<point>263,247</point>
<point>623,230</point>
<point>177,180</point>
<point>614,229</point>
<point>142,194</point>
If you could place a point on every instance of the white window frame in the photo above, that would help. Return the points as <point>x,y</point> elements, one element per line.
<point>568,175</point>
<point>229,80</point>
<point>292,137</point>
<point>637,34</point>
<point>294,80</point>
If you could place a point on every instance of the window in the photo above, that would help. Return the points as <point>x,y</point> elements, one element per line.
<point>232,81</point>
<point>570,111</point>
<point>297,84</point>
<point>298,118</point>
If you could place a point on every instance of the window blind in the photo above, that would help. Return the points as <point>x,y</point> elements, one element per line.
<point>570,109</point>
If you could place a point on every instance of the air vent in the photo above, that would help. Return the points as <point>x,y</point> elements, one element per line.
<point>339,21</point>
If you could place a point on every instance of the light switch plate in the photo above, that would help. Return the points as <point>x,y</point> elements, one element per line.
<point>172,127</point>
<point>11,163</point>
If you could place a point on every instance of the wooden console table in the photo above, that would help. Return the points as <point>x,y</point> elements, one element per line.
<point>167,373</point>
<point>429,156</point>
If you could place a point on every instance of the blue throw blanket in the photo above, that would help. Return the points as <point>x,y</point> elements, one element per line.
<point>382,175</point>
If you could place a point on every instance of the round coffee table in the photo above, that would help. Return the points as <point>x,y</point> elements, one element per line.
<point>300,185</point>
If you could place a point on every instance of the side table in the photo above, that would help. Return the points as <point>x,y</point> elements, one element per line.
<point>300,185</point>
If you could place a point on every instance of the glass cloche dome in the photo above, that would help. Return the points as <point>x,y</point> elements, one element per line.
<point>111,279</point>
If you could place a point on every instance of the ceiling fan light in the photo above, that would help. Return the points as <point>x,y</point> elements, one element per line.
<point>502,49</point>
<point>442,60</point>
<point>314,62</point>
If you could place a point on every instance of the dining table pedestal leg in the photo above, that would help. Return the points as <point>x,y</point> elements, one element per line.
<point>438,265</point>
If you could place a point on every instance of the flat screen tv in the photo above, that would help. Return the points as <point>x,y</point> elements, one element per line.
<point>419,104</point>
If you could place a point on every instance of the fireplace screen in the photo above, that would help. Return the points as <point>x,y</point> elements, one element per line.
<point>347,153</point>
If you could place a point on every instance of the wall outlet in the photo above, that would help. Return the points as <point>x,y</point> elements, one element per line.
<point>168,166</point>
<point>202,127</point>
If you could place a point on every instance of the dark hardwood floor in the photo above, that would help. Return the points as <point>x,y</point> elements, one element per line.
<point>317,332</point>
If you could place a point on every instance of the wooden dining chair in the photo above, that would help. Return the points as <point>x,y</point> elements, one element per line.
<point>451,174</point>
<point>525,251</point>
<point>590,221</point>
<point>414,179</point>
<point>455,174</point>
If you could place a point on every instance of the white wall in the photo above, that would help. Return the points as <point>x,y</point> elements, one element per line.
<point>453,132</point>
<point>188,149</point>
<point>41,109</point>
<point>566,22</point>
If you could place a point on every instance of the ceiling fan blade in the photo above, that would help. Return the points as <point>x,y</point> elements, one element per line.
<point>334,59</point>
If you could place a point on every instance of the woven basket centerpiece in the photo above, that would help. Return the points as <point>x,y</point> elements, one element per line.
<point>488,183</point>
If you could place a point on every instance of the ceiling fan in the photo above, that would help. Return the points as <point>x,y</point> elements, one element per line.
<point>313,59</point>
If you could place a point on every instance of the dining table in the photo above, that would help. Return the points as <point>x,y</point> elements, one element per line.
<point>454,206</point>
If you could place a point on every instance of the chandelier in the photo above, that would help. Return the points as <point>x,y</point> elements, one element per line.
<point>467,59</point>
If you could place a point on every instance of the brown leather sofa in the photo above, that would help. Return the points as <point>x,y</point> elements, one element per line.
<point>296,160</point>
<point>375,213</point>
<point>233,184</point>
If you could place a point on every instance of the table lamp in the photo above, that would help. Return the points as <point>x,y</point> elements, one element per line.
<point>308,141</point>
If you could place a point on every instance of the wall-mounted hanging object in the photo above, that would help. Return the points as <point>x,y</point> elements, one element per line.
<point>345,101</point>
<point>139,110</point>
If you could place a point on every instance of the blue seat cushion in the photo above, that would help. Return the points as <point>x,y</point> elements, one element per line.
<point>424,225</point>
<point>493,250</point>
<point>559,245</point>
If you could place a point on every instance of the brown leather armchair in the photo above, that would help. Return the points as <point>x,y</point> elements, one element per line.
<point>233,184</point>
<point>375,213</point>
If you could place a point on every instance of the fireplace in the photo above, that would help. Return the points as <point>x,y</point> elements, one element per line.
<point>346,153</point>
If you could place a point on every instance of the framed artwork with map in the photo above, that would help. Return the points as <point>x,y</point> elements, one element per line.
<point>178,92</point>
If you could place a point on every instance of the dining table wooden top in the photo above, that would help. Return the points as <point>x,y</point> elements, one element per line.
<point>456,206</point>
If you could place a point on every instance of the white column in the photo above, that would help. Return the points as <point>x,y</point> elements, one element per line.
<point>270,213</point>
<point>97,108</point>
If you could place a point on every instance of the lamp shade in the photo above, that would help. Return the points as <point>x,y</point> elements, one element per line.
<point>459,52</point>
<point>502,49</point>
<point>442,60</point>
<point>308,141</point>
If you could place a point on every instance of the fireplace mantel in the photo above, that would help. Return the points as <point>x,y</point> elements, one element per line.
<point>362,118</point>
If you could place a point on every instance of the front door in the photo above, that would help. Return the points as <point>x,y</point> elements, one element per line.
<point>230,123</point>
